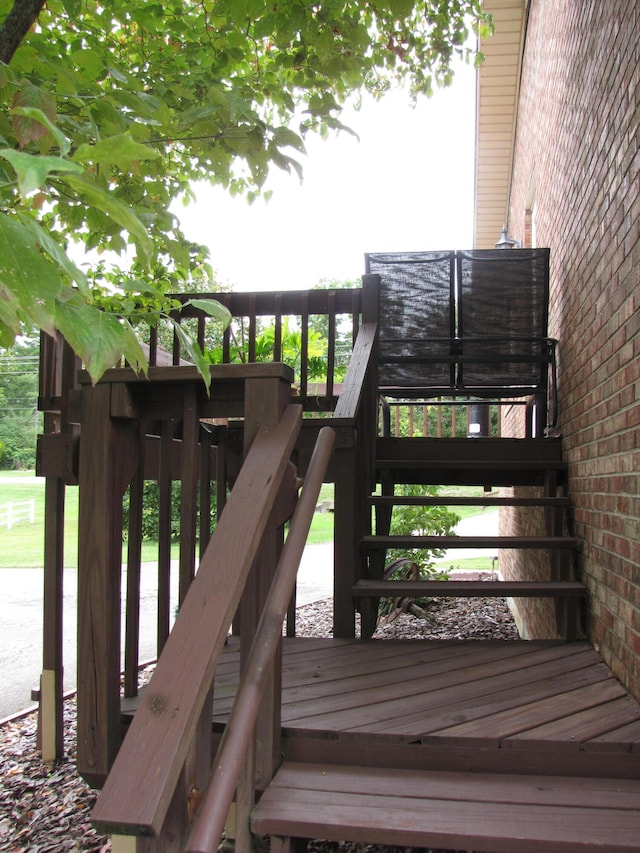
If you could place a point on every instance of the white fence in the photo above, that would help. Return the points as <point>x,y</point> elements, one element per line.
<point>13,513</point>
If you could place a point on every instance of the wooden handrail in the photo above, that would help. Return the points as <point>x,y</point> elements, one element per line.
<point>139,789</point>
<point>355,384</point>
<point>209,825</point>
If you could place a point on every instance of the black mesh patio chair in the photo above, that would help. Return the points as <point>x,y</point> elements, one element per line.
<point>502,300</point>
<point>416,324</point>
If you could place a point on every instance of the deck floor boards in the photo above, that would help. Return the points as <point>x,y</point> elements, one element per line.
<point>489,694</point>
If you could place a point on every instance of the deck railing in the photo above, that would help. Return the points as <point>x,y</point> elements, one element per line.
<point>279,326</point>
<point>287,321</point>
<point>148,779</point>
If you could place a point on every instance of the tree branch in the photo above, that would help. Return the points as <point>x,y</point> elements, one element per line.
<point>16,25</point>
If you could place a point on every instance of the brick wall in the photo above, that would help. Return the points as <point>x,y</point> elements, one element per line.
<point>577,143</point>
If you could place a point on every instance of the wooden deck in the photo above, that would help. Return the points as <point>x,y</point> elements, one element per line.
<point>498,706</point>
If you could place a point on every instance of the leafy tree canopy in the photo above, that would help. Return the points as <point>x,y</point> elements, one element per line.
<point>109,111</point>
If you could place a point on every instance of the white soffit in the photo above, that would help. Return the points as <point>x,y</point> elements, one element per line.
<point>496,111</point>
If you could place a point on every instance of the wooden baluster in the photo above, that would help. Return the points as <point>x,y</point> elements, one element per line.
<point>206,449</point>
<point>165,488</point>
<point>134,566</point>
<point>331,348</point>
<point>277,338</point>
<point>226,345</point>
<point>189,491</point>
<point>251,353</point>
<point>304,347</point>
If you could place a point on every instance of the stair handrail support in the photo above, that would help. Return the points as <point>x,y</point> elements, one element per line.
<point>140,793</point>
<point>355,465</point>
<point>236,739</point>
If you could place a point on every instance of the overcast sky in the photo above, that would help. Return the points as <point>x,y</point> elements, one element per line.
<point>406,184</point>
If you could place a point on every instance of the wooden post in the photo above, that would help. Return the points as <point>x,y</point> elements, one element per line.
<point>188,490</point>
<point>107,459</point>
<point>134,571</point>
<point>165,486</point>
<point>264,403</point>
<point>345,533</point>
<point>51,681</point>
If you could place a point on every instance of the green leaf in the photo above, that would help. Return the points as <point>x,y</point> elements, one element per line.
<point>56,252</point>
<point>212,308</point>
<point>120,150</point>
<point>194,353</point>
<point>99,338</point>
<point>32,170</point>
<point>94,195</point>
<point>29,283</point>
<point>33,113</point>
<point>286,136</point>
<point>38,117</point>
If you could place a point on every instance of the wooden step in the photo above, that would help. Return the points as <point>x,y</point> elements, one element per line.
<point>495,450</point>
<point>482,465</point>
<point>445,471</point>
<point>373,543</point>
<point>469,589</point>
<point>503,813</point>
<point>484,501</point>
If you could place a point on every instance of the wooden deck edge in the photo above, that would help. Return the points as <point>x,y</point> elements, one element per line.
<point>372,751</point>
<point>495,812</point>
<point>471,589</point>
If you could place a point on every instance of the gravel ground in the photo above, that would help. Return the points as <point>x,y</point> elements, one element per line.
<point>46,809</point>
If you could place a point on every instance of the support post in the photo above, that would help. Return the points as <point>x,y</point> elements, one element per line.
<point>107,460</point>
<point>51,680</point>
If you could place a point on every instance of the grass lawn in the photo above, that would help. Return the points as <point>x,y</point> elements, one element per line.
<point>23,545</point>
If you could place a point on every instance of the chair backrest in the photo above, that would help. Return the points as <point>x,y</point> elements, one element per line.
<point>502,308</point>
<point>416,323</point>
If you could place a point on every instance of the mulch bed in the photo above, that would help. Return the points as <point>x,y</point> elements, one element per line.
<point>45,809</point>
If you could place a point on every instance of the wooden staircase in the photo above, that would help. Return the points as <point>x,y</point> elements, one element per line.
<point>549,805</point>
<point>489,463</point>
<point>500,813</point>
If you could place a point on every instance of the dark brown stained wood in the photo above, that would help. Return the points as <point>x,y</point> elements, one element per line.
<point>342,687</point>
<point>108,455</point>
<point>516,720</point>
<point>471,589</point>
<point>134,570</point>
<point>562,542</point>
<point>533,682</point>
<point>496,788</point>
<point>267,645</point>
<point>482,465</point>
<point>179,374</point>
<point>354,384</point>
<point>502,813</point>
<point>353,476</point>
<point>276,302</point>
<point>156,745</point>
<point>429,696</point>
<point>494,451</point>
<point>489,500</point>
<point>626,738</point>
<point>188,491</point>
<point>164,535</point>
<point>581,726</point>
<point>377,681</point>
<point>350,690</point>
<point>52,653</point>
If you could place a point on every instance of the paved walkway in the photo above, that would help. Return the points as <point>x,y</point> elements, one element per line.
<point>21,603</point>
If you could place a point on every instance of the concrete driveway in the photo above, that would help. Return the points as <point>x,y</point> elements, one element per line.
<point>21,607</point>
